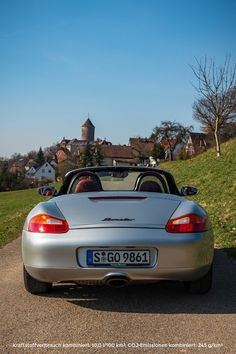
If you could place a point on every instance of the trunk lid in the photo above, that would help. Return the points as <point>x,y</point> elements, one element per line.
<point>117,209</point>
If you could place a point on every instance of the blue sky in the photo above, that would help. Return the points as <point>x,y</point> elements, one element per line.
<point>126,62</point>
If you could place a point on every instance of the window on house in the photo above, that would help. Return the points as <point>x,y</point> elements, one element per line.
<point>49,171</point>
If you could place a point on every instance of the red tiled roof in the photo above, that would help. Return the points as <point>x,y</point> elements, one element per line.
<point>64,141</point>
<point>72,141</point>
<point>62,154</point>
<point>117,151</point>
<point>143,146</point>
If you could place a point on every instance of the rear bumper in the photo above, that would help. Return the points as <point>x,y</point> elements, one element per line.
<point>55,258</point>
<point>100,276</point>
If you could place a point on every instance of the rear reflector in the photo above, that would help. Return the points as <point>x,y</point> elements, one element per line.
<point>120,197</point>
<point>187,223</point>
<point>44,223</point>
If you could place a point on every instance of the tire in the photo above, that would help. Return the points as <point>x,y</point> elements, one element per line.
<point>200,286</point>
<point>34,286</point>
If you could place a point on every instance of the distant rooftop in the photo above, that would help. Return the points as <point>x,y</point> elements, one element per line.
<point>88,123</point>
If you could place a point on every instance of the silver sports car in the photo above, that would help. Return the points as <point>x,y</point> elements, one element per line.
<point>115,226</point>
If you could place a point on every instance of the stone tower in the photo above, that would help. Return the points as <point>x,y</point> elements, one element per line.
<point>87,131</point>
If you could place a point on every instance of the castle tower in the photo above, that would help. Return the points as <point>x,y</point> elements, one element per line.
<point>87,131</point>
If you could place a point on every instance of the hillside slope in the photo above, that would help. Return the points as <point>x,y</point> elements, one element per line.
<point>14,207</point>
<point>216,180</point>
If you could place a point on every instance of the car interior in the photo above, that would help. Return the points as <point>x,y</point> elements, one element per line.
<point>150,186</point>
<point>91,182</point>
<point>87,184</point>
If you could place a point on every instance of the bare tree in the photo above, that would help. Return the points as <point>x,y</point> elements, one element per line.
<point>216,104</point>
<point>172,133</point>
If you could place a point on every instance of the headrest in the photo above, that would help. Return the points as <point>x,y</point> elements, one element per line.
<point>150,186</point>
<point>86,185</point>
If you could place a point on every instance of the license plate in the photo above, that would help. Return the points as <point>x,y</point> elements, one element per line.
<point>118,257</point>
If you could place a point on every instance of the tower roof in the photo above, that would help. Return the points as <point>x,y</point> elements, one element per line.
<point>88,124</point>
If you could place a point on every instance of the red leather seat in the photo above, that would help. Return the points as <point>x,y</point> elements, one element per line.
<point>86,185</point>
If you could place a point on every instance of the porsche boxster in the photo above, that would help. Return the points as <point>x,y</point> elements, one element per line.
<point>114,226</point>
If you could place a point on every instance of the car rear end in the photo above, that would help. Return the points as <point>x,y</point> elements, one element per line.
<point>116,238</point>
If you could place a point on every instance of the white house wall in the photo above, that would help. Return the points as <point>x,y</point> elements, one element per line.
<point>45,172</point>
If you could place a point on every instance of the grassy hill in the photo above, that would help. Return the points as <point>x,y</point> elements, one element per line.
<point>215,178</point>
<point>14,206</point>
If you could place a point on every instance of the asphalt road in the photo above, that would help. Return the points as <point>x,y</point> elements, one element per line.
<point>97,320</point>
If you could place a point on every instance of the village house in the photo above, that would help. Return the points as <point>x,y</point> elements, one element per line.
<point>118,155</point>
<point>18,166</point>
<point>198,143</point>
<point>73,145</point>
<point>169,145</point>
<point>62,154</point>
<point>46,171</point>
<point>31,172</point>
<point>142,150</point>
<point>63,143</point>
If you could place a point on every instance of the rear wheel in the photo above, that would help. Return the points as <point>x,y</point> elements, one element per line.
<point>200,286</point>
<point>34,286</point>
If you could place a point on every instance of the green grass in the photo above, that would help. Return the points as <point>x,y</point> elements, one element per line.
<point>14,207</point>
<point>216,180</point>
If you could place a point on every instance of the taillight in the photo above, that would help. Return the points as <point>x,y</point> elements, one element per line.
<point>187,223</point>
<point>48,224</point>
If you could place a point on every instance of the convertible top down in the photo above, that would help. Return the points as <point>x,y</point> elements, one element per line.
<point>115,226</point>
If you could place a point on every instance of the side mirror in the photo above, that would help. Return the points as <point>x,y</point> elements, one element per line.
<point>47,191</point>
<point>188,190</point>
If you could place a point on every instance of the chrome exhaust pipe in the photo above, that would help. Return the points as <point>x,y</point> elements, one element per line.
<point>117,282</point>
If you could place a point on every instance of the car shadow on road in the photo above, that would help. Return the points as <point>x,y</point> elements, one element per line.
<point>163,297</point>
